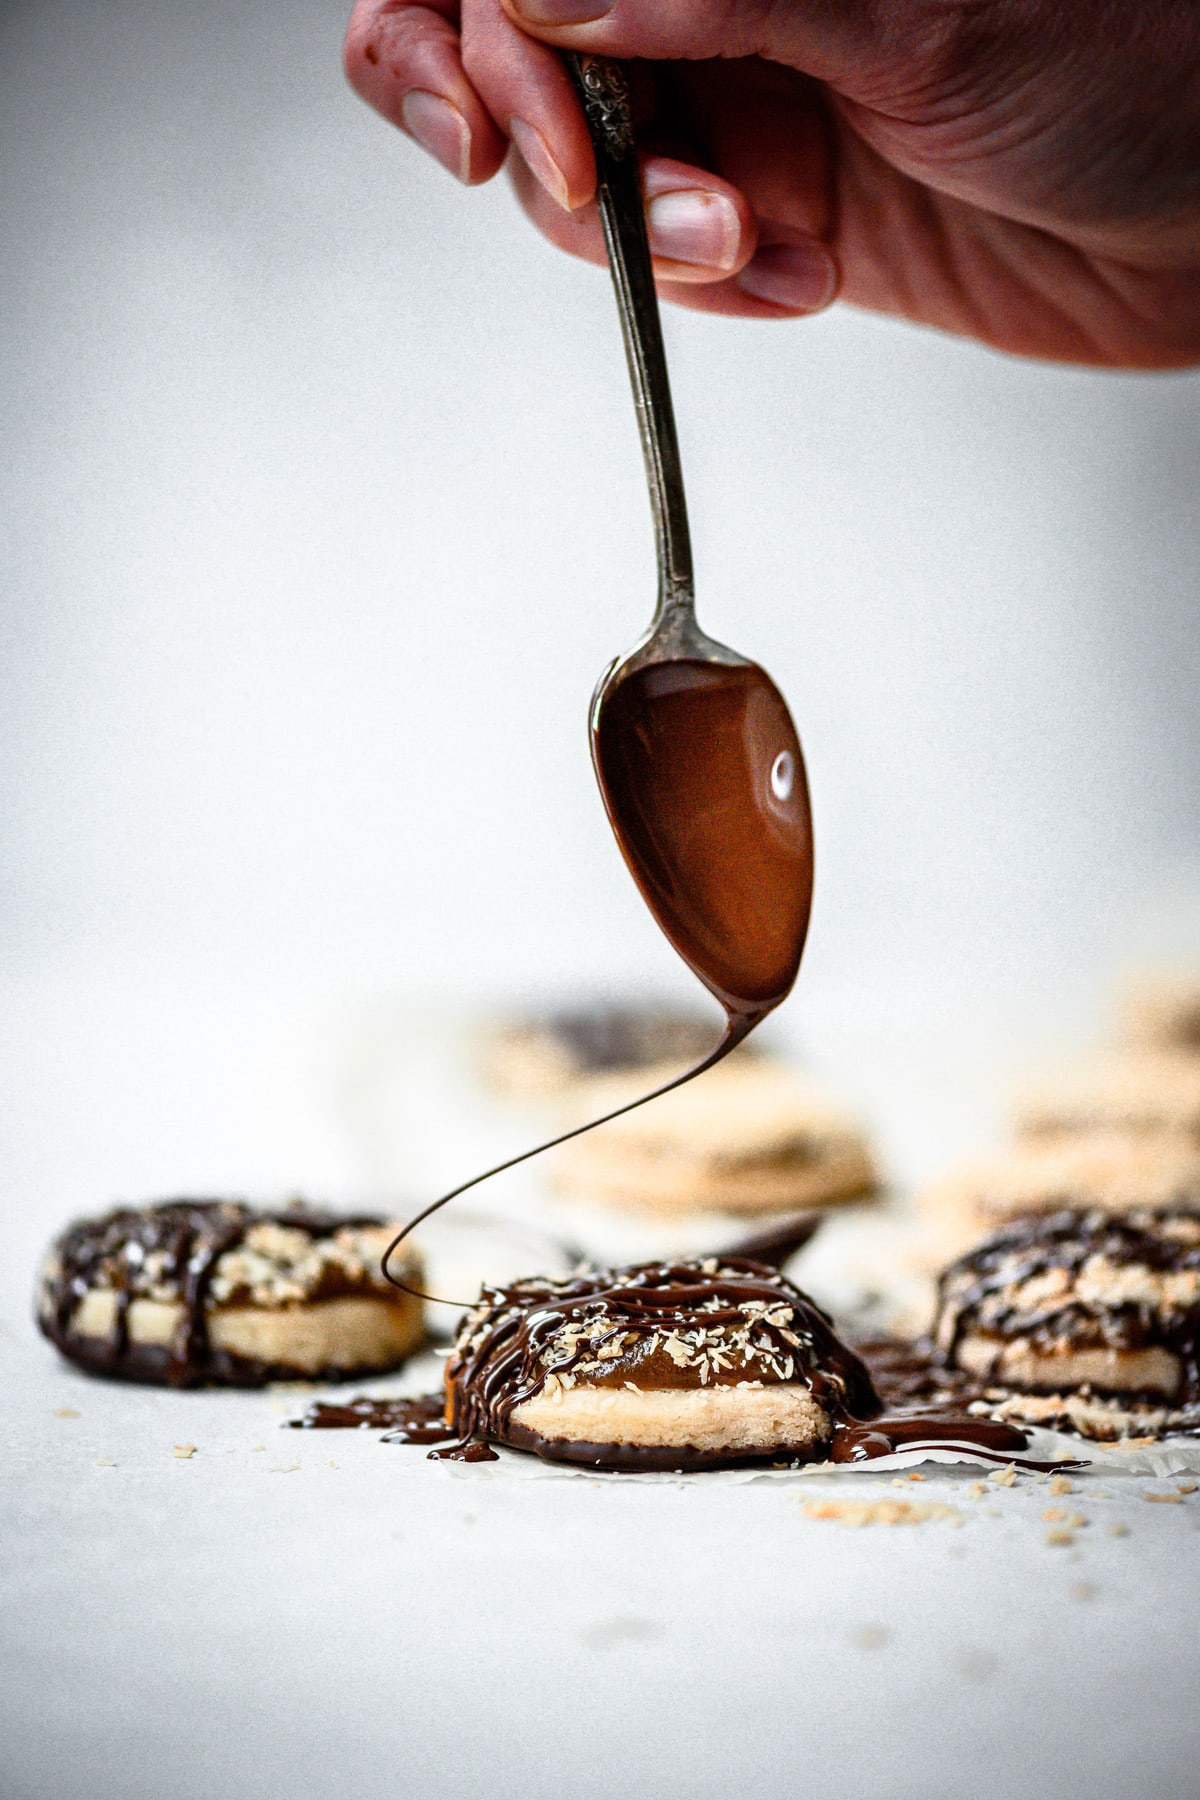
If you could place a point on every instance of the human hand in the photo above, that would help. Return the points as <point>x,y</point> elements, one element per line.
<point>1025,172</point>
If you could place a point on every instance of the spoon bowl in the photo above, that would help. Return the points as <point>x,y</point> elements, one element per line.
<point>703,780</point>
<point>695,752</point>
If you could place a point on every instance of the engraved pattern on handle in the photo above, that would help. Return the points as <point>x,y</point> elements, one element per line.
<point>605,95</point>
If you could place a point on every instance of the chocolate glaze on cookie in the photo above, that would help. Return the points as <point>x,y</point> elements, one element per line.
<point>172,1250</point>
<point>717,1323</point>
<point>1074,1282</point>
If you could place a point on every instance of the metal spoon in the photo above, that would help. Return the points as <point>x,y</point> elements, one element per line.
<point>696,754</point>
<point>694,748</point>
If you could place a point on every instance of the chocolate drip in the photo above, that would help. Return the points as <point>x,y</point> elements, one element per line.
<point>408,1421</point>
<point>982,1291</point>
<point>925,1405</point>
<point>189,1237</point>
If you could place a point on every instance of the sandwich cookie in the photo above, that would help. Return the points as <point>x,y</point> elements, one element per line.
<point>192,1292</point>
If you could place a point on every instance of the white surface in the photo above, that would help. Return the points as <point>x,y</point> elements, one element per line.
<point>322,512</point>
<point>234,1624</point>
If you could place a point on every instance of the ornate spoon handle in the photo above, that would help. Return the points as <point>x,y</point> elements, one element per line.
<point>605,96</point>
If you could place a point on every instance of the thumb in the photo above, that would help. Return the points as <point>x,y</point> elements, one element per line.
<point>828,39</point>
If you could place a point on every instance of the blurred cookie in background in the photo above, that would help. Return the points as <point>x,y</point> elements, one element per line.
<point>544,1056</point>
<point>1162,1012</point>
<point>749,1137</point>
<point>1088,1320</point>
<point>1154,1094</point>
<point>1105,1172</point>
<point>192,1293</point>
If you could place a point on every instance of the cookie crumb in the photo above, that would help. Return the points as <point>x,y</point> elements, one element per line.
<point>183,1451</point>
<point>1053,1513</point>
<point>1059,1534</point>
<point>1060,1485</point>
<point>1118,1530</point>
<point>65,1412</point>
<point>1083,1590</point>
<point>1004,1477</point>
<point>977,1490</point>
<point>1165,1499</point>
<point>882,1512</point>
<point>106,1462</point>
<point>1185,1487</point>
<point>916,1477</point>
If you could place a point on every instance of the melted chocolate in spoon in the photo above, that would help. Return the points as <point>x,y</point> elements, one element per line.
<point>697,758</point>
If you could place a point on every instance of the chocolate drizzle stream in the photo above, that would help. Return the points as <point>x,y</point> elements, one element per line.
<point>190,1237</point>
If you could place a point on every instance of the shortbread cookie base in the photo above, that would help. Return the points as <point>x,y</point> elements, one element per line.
<point>657,1427</point>
<point>315,1340</point>
<point>1110,1370</point>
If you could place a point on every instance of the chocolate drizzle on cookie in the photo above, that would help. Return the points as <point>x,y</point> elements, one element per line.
<point>1075,1281</point>
<point>170,1249</point>
<point>718,1322</point>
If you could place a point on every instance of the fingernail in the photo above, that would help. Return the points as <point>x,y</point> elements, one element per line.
<point>439,128</point>
<point>538,160</point>
<point>693,226</point>
<point>560,12</point>
<point>802,277</point>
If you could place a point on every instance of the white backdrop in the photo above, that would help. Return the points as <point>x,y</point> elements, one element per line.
<point>322,513</point>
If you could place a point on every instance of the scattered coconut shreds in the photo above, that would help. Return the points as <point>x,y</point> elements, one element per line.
<point>65,1412</point>
<point>1165,1499</point>
<point>1004,1477</point>
<point>1072,1521</point>
<point>882,1512</point>
<point>1060,1485</point>
<point>1186,1487</point>
<point>1058,1534</point>
<point>183,1451</point>
<point>1118,1530</point>
<point>977,1490</point>
<point>915,1477</point>
<point>106,1462</point>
